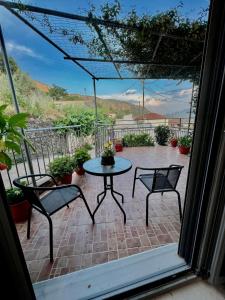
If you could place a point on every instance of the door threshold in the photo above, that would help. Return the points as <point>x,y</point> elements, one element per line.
<point>115,277</point>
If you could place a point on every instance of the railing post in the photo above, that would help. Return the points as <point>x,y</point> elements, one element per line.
<point>96,119</point>
<point>16,104</point>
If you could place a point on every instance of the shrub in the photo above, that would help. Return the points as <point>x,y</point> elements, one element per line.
<point>162,134</point>
<point>61,166</point>
<point>87,146</point>
<point>185,141</point>
<point>14,195</point>
<point>84,118</point>
<point>135,140</point>
<point>80,156</point>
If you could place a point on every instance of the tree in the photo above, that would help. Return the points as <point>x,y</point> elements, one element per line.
<point>163,39</point>
<point>57,92</point>
<point>13,65</point>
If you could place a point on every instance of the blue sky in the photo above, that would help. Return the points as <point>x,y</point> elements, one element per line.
<point>46,64</point>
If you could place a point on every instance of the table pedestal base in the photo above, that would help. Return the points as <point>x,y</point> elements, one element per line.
<point>109,187</point>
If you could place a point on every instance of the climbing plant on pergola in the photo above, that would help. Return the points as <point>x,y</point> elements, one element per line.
<point>163,46</point>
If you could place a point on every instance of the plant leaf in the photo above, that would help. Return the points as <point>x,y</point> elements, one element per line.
<point>4,158</point>
<point>12,146</point>
<point>18,120</point>
<point>2,107</point>
<point>23,138</point>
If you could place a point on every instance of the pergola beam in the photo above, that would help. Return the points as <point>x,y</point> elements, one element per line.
<point>156,47</point>
<point>48,40</point>
<point>99,33</point>
<point>108,23</point>
<point>120,61</point>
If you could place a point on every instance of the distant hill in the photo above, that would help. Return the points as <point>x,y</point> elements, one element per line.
<point>109,106</point>
<point>41,86</point>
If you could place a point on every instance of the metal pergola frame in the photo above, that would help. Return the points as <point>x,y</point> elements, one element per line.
<point>95,22</point>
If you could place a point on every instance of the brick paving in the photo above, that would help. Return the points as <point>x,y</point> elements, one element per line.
<point>78,244</point>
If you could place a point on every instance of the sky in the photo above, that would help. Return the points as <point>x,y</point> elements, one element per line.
<point>44,63</point>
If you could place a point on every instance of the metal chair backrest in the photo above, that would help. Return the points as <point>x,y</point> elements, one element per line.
<point>166,178</point>
<point>30,192</point>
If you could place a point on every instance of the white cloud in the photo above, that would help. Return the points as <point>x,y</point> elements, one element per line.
<point>130,92</point>
<point>185,92</point>
<point>163,102</point>
<point>122,97</point>
<point>20,49</point>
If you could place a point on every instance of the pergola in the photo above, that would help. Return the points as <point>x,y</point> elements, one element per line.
<point>76,36</point>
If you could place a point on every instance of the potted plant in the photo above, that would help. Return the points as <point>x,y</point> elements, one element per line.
<point>118,144</point>
<point>10,138</point>
<point>162,134</point>
<point>184,144</point>
<point>80,156</point>
<point>62,169</point>
<point>173,141</point>
<point>19,207</point>
<point>107,157</point>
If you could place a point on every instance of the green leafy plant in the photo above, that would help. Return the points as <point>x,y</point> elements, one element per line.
<point>162,134</point>
<point>61,166</point>
<point>10,134</point>
<point>137,140</point>
<point>80,156</point>
<point>14,195</point>
<point>84,118</point>
<point>108,150</point>
<point>57,92</point>
<point>88,146</point>
<point>185,141</point>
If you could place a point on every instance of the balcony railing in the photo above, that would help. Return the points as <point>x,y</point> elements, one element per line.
<point>49,143</point>
<point>106,132</point>
<point>53,142</point>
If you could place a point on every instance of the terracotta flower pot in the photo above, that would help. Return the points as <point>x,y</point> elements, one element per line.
<point>66,179</point>
<point>184,150</point>
<point>20,211</point>
<point>173,143</point>
<point>118,147</point>
<point>80,171</point>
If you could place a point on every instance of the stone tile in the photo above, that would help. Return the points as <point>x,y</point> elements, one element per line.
<point>134,242</point>
<point>100,247</point>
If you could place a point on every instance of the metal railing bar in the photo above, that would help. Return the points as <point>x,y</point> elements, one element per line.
<point>51,128</point>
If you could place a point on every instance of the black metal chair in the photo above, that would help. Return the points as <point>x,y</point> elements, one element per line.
<point>161,180</point>
<point>56,198</point>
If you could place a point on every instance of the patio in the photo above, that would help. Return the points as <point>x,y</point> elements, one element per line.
<point>78,244</point>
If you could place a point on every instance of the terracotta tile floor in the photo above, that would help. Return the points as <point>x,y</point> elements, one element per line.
<point>78,244</point>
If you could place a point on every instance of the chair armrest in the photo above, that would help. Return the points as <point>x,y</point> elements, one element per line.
<point>53,188</point>
<point>140,168</point>
<point>147,169</point>
<point>17,180</point>
<point>174,165</point>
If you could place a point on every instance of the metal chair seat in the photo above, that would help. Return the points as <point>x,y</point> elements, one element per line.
<point>57,199</point>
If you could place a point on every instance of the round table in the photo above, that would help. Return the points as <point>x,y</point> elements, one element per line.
<point>94,167</point>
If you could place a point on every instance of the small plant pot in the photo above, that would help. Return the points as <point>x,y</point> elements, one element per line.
<point>184,150</point>
<point>66,179</point>
<point>107,160</point>
<point>20,211</point>
<point>80,171</point>
<point>173,143</point>
<point>118,147</point>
